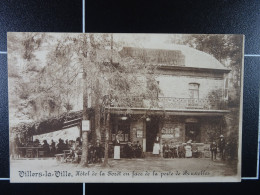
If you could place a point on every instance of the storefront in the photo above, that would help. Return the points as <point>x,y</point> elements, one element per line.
<point>200,130</point>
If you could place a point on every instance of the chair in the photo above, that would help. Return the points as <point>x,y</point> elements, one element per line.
<point>41,154</point>
<point>29,153</point>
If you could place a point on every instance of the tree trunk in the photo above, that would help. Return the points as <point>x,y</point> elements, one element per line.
<point>97,113</point>
<point>84,157</point>
<point>107,129</point>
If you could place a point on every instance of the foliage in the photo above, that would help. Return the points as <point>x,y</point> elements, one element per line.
<point>225,48</point>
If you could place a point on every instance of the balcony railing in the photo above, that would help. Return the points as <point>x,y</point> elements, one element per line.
<point>191,103</point>
<point>171,103</point>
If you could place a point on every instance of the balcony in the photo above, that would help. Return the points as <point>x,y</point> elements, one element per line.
<point>190,103</point>
<point>171,103</point>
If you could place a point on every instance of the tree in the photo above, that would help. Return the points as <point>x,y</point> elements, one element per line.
<point>107,77</point>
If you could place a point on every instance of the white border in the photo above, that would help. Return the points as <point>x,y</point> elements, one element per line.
<point>246,55</point>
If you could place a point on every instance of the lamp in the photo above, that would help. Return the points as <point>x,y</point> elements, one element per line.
<point>123,118</point>
<point>148,119</point>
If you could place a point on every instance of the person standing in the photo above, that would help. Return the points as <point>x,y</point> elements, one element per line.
<point>188,150</point>
<point>221,146</point>
<point>117,148</point>
<point>53,148</point>
<point>156,146</point>
<point>213,149</point>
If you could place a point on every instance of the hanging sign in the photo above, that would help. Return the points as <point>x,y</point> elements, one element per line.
<point>85,125</point>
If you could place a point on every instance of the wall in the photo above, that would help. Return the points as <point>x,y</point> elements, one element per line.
<point>134,127</point>
<point>178,86</point>
<point>172,132</point>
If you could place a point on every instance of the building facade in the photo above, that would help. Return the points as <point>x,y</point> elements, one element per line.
<point>191,104</point>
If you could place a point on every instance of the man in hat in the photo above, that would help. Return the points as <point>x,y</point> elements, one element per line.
<point>221,146</point>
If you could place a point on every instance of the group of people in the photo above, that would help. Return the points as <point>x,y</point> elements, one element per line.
<point>187,150</point>
<point>52,149</point>
<point>172,151</point>
<point>95,153</point>
<point>44,148</point>
<point>220,146</point>
<point>184,150</point>
<point>133,150</point>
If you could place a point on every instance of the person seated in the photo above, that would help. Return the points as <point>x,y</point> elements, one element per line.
<point>181,150</point>
<point>166,150</point>
<point>171,150</point>
<point>195,151</point>
<point>98,152</point>
<point>134,147</point>
<point>66,145</point>
<point>36,143</point>
<point>71,155</point>
<point>91,153</point>
<point>138,150</point>
<point>60,146</point>
<point>46,148</point>
<point>77,151</point>
<point>128,150</point>
<point>79,141</point>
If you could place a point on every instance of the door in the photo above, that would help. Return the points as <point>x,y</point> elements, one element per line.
<point>192,132</point>
<point>152,128</point>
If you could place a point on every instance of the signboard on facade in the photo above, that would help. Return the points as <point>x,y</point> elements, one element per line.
<point>167,136</point>
<point>139,133</point>
<point>85,125</point>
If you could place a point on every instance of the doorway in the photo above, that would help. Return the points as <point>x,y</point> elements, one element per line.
<point>192,132</point>
<point>152,128</point>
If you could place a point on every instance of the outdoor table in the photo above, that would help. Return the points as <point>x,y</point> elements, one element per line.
<point>34,148</point>
<point>65,153</point>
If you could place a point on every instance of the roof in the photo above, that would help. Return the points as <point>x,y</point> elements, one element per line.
<point>193,57</point>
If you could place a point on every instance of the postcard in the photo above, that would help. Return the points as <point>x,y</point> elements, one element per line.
<point>113,108</point>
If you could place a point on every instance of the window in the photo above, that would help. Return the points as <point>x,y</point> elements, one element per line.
<point>121,128</point>
<point>194,90</point>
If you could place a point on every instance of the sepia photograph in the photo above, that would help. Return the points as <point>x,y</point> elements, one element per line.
<point>113,108</point>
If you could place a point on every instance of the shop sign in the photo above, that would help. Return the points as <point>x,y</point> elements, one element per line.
<point>167,136</point>
<point>85,125</point>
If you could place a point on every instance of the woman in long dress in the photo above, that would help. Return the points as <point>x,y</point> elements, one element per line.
<point>117,148</point>
<point>156,145</point>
